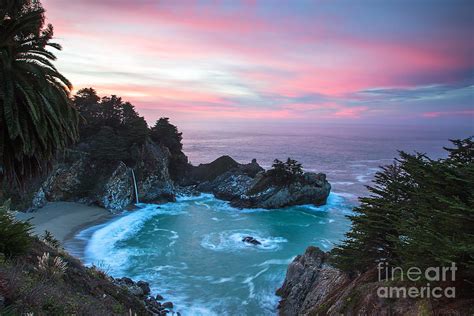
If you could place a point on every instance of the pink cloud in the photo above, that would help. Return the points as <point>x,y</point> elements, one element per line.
<point>243,58</point>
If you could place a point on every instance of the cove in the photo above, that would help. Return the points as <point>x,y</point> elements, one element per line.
<point>192,253</point>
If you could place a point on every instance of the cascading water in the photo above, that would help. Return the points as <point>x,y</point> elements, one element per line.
<point>135,186</point>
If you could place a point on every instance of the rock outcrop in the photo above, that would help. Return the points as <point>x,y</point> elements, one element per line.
<point>118,189</point>
<point>154,181</point>
<point>249,186</point>
<point>62,183</point>
<point>81,179</point>
<point>141,290</point>
<point>309,282</point>
<point>313,287</point>
<point>206,173</point>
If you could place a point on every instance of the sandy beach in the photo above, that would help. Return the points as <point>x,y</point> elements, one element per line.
<point>64,219</point>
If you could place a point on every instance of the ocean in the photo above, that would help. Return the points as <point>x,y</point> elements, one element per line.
<point>192,252</point>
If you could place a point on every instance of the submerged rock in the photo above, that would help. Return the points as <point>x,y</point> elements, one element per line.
<point>251,240</point>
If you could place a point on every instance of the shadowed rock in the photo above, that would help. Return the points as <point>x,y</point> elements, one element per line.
<point>251,240</point>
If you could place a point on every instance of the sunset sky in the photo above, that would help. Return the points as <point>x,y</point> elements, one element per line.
<point>219,62</point>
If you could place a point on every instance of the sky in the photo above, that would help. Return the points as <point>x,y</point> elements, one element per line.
<point>222,62</point>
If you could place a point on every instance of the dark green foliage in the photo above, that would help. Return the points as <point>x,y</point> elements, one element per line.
<point>14,235</point>
<point>36,116</point>
<point>110,129</point>
<point>285,173</point>
<point>49,239</point>
<point>108,145</point>
<point>167,135</point>
<point>420,213</point>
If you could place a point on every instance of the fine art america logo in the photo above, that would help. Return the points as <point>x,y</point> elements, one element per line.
<point>432,275</point>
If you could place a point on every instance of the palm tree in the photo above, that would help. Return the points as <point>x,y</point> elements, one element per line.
<point>36,114</point>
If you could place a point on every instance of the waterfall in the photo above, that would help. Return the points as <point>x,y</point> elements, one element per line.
<point>135,186</point>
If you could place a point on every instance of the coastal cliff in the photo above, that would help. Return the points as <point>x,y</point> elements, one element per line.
<point>314,287</point>
<point>47,281</point>
<point>80,178</point>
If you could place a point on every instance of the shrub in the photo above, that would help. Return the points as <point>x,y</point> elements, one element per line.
<point>14,235</point>
<point>54,267</point>
<point>285,173</point>
<point>49,239</point>
<point>100,270</point>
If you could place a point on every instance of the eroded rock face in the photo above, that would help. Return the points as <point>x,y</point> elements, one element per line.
<point>110,186</point>
<point>313,287</point>
<point>154,183</point>
<point>62,184</point>
<point>118,190</point>
<point>309,281</point>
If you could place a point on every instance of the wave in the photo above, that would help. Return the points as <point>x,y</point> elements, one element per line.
<point>325,244</point>
<point>284,262</point>
<point>250,284</point>
<point>345,183</point>
<point>334,201</point>
<point>200,197</point>
<point>173,235</point>
<point>102,245</point>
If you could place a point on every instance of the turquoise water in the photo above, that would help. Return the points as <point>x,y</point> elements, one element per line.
<point>192,252</point>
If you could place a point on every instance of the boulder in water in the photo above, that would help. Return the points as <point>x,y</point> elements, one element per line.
<point>251,240</point>
<point>144,286</point>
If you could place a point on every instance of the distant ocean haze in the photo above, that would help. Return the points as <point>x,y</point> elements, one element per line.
<point>349,155</point>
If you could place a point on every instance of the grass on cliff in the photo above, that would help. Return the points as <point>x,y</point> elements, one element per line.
<point>48,281</point>
<point>38,277</point>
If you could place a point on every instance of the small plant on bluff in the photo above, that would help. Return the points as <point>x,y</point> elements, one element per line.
<point>100,270</point>
<point>54,267</point>
<point>49,239</point>
<point>285,173</point>
<point>14,235</point>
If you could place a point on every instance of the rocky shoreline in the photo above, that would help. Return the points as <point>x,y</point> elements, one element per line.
<point>313,286</point>
<point>155,304</point>
<point>80,179</point>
